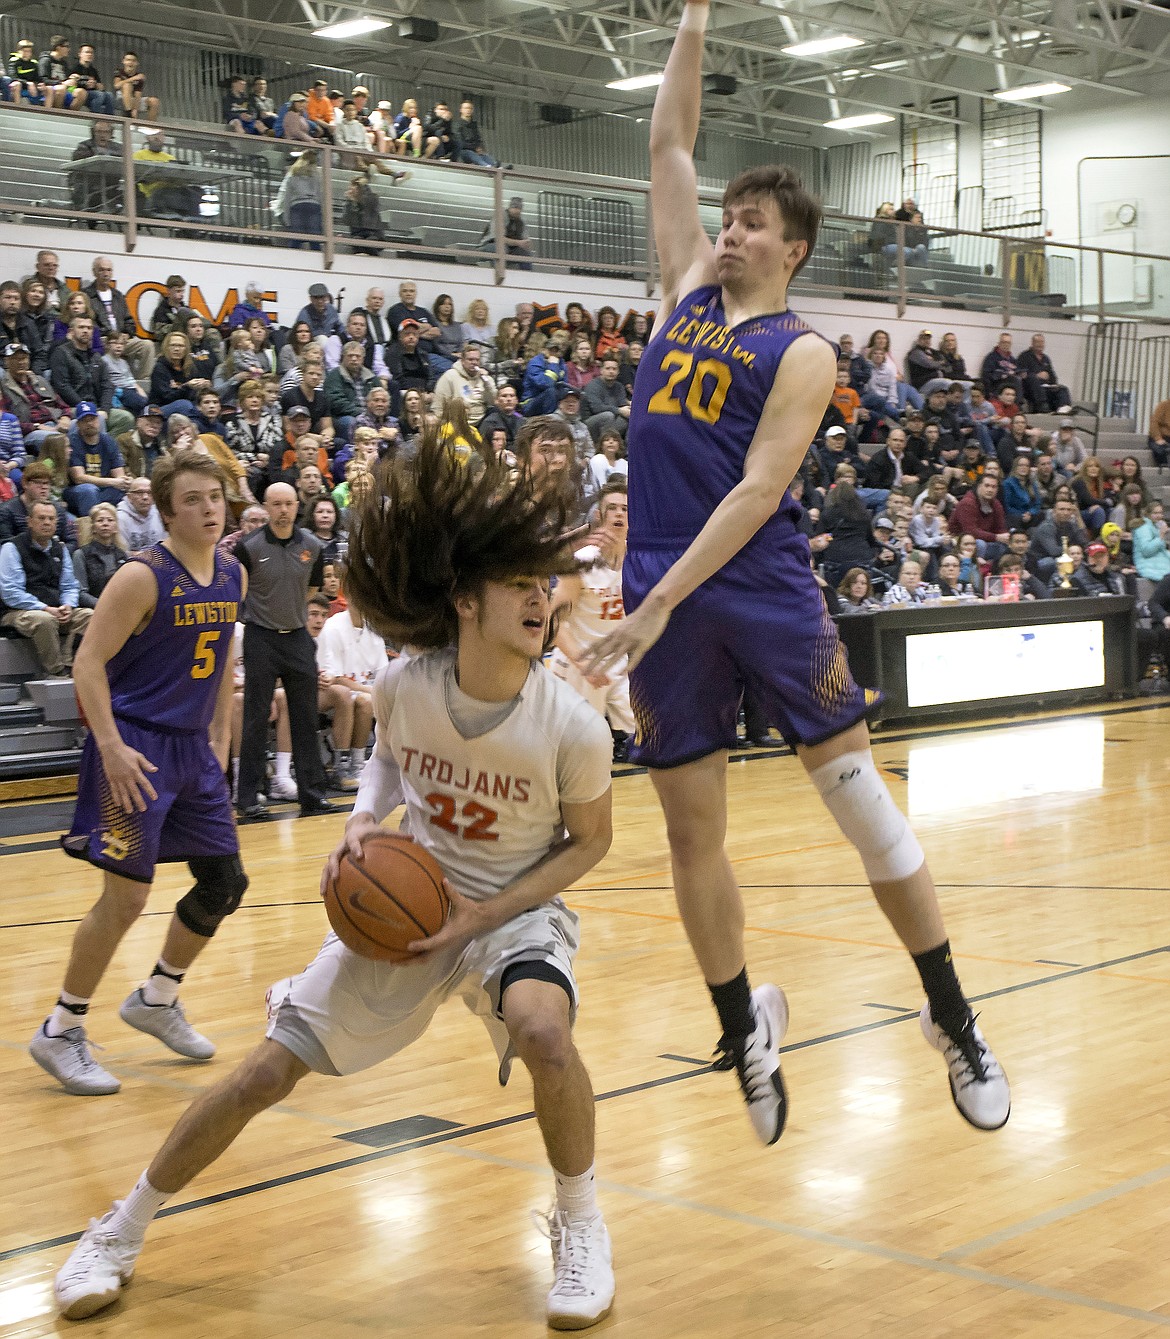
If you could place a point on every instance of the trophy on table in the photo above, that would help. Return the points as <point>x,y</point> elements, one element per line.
<point>1065,564</point>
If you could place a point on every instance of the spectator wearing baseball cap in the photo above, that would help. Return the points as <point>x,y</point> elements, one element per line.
<point>1096,576</point>
<point>569,411</point>
<point>142,445</point>
<point>320,315</point>
<point>408,365</point>
<point>97,471</point>
<point>37,406</point>
<point>294,125</point>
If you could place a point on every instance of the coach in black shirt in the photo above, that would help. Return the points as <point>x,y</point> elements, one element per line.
<point>285,567</point>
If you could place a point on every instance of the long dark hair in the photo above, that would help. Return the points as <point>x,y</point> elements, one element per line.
<point>844,501</point>
<point>436,531</point>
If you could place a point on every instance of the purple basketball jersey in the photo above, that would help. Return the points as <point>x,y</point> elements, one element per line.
<point>698,398</point>
<point>168,675</point>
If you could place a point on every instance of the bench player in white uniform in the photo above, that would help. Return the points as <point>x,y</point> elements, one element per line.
<point>590,602</point>
<point>505,774</point>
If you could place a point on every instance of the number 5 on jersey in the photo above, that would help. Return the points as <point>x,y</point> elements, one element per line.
<point>704,400</point>
<point>204,666</point>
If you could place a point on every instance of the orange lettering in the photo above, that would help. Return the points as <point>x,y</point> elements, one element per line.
<point>426,767</point>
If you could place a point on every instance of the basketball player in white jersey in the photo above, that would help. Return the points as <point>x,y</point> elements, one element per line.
<point>589,603</point>
<point>505,775</point>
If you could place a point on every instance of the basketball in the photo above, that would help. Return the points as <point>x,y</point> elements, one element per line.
<point>391,897</point>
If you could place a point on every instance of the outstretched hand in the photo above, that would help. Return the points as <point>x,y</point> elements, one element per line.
<point>632,638</point>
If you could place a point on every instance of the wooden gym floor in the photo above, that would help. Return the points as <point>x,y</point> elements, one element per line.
<point>397,1202</point>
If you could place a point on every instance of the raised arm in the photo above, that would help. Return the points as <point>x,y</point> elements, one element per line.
<point>685,254</point>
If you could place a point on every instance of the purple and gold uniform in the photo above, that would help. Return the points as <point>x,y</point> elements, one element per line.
<point>760,622</point>
<point>163,688</point>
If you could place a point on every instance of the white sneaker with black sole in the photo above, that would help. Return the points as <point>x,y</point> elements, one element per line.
<point>583,1283</point>
<point>978,1084</point>
<point>168,1023</point>
<point>67,1059</point>
<point>758,1063</point>
<point>99,1267</point>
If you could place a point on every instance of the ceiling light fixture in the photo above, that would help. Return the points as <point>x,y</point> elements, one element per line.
<point>821,46</point>
<point>636,81</point>
<point>1027,91</point>
<point>856,122</point>
<point>338,32</point>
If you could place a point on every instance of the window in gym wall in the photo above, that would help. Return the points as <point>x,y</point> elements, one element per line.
<point>930,163</point>
<point>1011,164</point>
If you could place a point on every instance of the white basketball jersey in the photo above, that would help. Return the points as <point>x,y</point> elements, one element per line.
<point>487,808</point>
<point>599,605</point>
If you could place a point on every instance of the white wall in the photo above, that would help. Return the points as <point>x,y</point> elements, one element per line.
<point>220,272</point>
<point>1122,129</point>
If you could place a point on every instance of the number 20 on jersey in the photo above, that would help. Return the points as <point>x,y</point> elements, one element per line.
<point>702,386</point>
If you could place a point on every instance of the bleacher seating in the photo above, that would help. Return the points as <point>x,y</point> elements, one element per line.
<point>39,723</point>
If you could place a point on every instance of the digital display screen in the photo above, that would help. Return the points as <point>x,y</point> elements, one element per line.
<point>981,663</point>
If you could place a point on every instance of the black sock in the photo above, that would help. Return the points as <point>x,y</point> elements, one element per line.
<point>160,970</point>
<point>948,1004</point>
<point>733,1001</point>
<point>78,1010</point>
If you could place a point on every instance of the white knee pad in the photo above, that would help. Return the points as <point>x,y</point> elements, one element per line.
<point>866,813</point>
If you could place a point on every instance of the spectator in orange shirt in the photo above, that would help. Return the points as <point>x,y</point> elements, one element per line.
<point>319,109</point>
<point>308,451</point>
<point>846,399</point>
<point>609,337</point>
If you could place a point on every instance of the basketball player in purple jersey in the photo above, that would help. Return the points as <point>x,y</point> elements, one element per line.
<point>151,680</point>
<point>719,594</point>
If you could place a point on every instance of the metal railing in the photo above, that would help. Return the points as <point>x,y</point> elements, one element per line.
<point>215,184</point>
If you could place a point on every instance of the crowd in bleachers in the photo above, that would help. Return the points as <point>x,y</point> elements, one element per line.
<point>306,121</point>
<point>57,79</point>
<point>923,478</point>
<point>926,483</point>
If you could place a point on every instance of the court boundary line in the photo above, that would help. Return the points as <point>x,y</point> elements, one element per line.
<point>1058,1214</point>
<point>876,1250</point>
<point>343,1164</point>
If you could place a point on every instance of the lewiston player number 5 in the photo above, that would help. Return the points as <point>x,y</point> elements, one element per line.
<point>481,819</point>
<point>204,666</point>
<point>704,400</point>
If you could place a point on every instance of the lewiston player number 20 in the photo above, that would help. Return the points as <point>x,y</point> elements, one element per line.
<point>704,394</point>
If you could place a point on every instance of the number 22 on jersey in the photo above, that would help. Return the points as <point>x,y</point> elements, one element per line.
<point>704,393</point>
<point>478,828</point>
